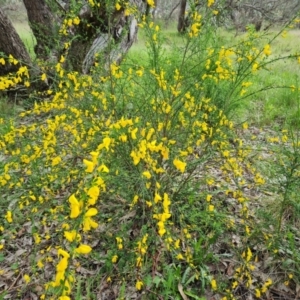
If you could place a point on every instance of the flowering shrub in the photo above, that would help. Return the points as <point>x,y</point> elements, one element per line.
<point>131,176</point>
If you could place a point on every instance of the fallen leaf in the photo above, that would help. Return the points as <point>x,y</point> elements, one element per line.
<point>180,289</point>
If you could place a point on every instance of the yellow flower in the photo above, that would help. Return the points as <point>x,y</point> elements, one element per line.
<point>12,60</point>
<point>267,50</point>
<point>71,235</point>
<point>157,198</point>
<point>26,278</point>
<point>75,207</point>
<point>103,168</point>
<point>44,77</point>
<point>55,161</point>
<point>8,216</point>
<point>255,66</point>
<point>118,6</point>
<point>119,240</point>
<point>63,253</point>
<point>90,166</point>
<point>179,165</point>
<point>161,231</point>
<point>138,262</point>
<point>257,293</point>
<point>139,284</point>
<point>147,174</point>
<point>208,197</point>
<point>65,226</point>
<point>179,256</point>
<point>165,153</point>
<point>61,267</point>
<point>91,212</point>
<point>91,2</point>
<point>114,259</point>
<point>284,34</point>
<point>40,264</point>
<point>123,138</point>
<point>133,133</point>
<point>151,3</point>
<point>213,284</point>
<point>139,73</point>
<point>89,223</point>
<point>37,238</point>
<point>136,158</point>
<point>249,255</point>
<point>106,143</point>
<point>76,21</point>
<point>83,249</point>
<point>195,28</point>
<point>93,192</point>
<point>268,282</point>
<point>210,2</point>
<point>211,208</point>
<point>245,125</point>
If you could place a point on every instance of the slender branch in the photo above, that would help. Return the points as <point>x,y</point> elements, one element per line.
<point>173,9</point>
<point>62,5</point>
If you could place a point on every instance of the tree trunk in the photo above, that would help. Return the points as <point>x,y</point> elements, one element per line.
<point>181,26</point>
<point>11,44</point>
<point>42,23</point>
<point>103,30</point>
<point>118,32</point>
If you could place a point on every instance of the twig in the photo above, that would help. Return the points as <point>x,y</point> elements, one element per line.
<point>62,5</point>
<point>12,285</point>
<point>170,14</point>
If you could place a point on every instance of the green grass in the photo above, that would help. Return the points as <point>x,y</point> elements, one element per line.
<point>171,40</point>
<point>20,21</point>
<point>26,35</point>
<point>278,104</point>
<point>8,108</point>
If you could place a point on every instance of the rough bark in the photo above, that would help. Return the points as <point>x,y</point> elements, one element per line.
<point>256,12</point>
<point>112,42</point>
<point>43,25</point>
<point>181,26</point>
<point>10,43</point>
<point>100,31</point>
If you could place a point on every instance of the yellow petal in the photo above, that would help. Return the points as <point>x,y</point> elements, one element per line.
<point>179,165</point>
<point>91,212</point>
<point>83,249</point>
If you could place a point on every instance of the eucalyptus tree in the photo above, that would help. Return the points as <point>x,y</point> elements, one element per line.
<point>76,30</point>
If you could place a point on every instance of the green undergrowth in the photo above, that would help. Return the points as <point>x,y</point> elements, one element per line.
<point>137,182</point>
<point>276,102</point>
<point>19,19</point>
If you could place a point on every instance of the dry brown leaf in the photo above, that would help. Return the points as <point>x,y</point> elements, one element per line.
<point>180,289</point>
<point>128,216</point>
<point>85,271</point>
